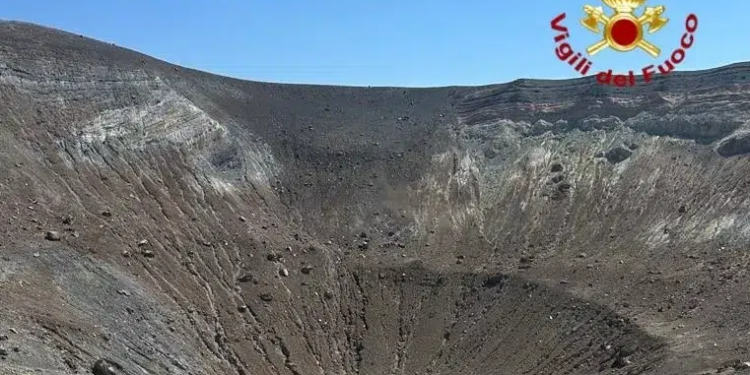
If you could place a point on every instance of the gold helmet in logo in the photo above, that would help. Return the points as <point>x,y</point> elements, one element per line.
<point>624,6</point>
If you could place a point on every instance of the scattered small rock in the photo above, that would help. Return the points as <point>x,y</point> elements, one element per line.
<point>283,272</point>
<point>623,356</point>
<point>525,262</point>
<point>306,269</point>
<point>682,209</point>
<point>618,155</point>
<point>557,179</point>
<point>328,295</point>
<point>557,167</point>
<point>148,253</point>
<point>246,278</point>
<point>106,367</point>
<point>123,292</point>
<point>564,187</point>
<point>3,337</point>
<point>621,362</point>
<point>4,352</point>
<point>267,297</point>
<point>126,254</point>
<point>734,364</point>
<point>273,257</point>
<point>242,219</point>
<point>242,308</point>
<point>67,220</point>
<point>107,213</point>
<point>71,364</point>
<point>143,242</point>
<point>53,236</point>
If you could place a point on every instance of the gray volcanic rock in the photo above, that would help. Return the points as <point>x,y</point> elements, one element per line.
<point>618,154</point>
<point>735,144</point>
<point>106,367</point>
<point>234,227</point>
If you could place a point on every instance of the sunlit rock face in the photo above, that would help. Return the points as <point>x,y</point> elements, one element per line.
<point>161,220</point>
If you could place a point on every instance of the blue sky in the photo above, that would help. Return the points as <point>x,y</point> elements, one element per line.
<point>379,42</point>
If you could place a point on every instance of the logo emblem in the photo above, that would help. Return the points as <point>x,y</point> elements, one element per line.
<point>623,31</point>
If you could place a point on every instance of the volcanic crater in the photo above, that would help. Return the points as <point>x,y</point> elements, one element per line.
<point>162,220</point>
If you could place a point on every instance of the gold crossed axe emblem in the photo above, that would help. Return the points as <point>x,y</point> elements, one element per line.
<point>623,31</point>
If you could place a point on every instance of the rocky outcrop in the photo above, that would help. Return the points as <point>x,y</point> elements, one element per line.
<point>618,154</point>
<point>735,144</point>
